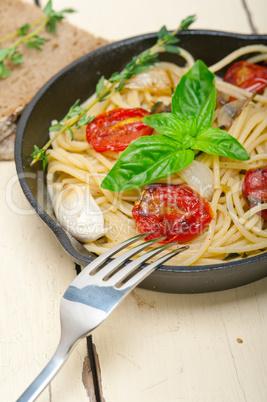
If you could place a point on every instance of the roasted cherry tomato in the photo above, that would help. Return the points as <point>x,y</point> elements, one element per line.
<point>247,75</point>
<point>175,211</point>
<point>255,188</point>
<point>115,130</point>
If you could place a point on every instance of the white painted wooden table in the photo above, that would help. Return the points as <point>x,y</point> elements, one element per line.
<point>155,347</point>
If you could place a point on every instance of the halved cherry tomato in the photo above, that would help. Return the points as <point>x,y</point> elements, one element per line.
<point>255,189</point>
<point>175,211</point>
<point>247,75</point>
<point>116,129</point>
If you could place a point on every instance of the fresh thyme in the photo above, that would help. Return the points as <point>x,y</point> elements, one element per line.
<point>80,119</point>
<point>43,156</point>
<point>28,34</point>
<point>77,116</point>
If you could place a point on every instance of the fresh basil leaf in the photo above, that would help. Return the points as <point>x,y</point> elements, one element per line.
<point>215,141</point>
<point>188,142</point>
<point>146,160</point>
<point>195,95</point>
<point>172,126</point>
<point>206,111</point>
<point>191,127</point>
<point>168,124</point>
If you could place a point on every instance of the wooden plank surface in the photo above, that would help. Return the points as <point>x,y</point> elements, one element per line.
<point>154,347</point>
<point>205,347</point>
<point>35,272</point>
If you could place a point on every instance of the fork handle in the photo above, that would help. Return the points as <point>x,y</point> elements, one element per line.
<point>46,375</point>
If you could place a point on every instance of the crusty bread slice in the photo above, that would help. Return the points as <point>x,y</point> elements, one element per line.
<point>68,44</point>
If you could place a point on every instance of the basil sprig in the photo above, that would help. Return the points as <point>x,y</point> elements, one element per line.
<point>185,129</point>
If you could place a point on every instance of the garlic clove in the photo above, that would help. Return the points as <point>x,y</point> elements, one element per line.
<point>77,211</point>
<point>200,178</point>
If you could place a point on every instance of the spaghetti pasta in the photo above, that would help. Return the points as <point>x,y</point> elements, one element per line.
<point>234,227</point>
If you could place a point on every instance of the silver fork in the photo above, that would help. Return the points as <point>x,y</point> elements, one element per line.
<point>91,297</point>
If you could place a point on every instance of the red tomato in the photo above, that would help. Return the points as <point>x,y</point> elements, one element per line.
<point>116,129</point>
<point>175,211</point>
<point>247,75</point>
<point>255,188</point>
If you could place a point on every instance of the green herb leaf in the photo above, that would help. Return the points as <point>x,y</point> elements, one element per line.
<point>48,8</point>
<point>196,95</point>
<point>163,32</point>
<point>231,256</point>
<point>17,58</point>
<point>55,127</point>
<point>4,72</point>
<point>215,141</point>
<point>71,134</point>
<point>74,111</point>
<point>204,118</point>
<point>22,31</point>
<point>42,155</point>
<point>100,86</point>
<point>146,160</point>
<point>10,54</point>
<point>168,39</point>
<point>35,42</point>
<point>172,49</point>
<point>84,121</point>
<point>168,124</point>
<point>4,53</point>
<point>54,16</point>
<point>185,24</point>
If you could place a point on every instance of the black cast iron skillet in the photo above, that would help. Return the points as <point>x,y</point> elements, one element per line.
<point>77,81</point>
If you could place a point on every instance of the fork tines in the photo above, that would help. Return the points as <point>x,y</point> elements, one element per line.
<point>122,272</point>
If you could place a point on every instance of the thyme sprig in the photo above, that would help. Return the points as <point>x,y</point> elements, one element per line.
<point>77,116</point>
<point>29,35</point>
<point>43,156</point>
